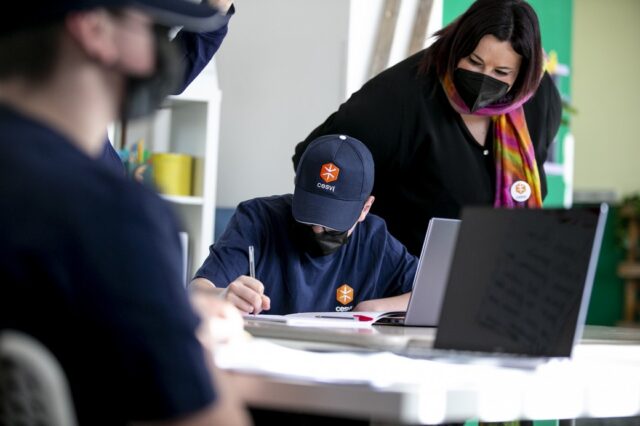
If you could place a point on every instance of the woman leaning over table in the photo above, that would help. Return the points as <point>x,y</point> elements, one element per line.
<point>467,121</point>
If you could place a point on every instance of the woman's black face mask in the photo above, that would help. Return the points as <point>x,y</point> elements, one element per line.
<point>145,94</point>
<point>318,244</point>
<point>478,90</point>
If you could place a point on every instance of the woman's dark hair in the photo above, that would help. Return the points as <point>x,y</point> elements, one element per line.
<point>514,21</point>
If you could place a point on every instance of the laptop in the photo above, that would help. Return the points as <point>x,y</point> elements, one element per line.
<point>519,285</point>
<point>431,277</point>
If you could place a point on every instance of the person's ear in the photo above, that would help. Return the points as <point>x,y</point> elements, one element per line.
<point>94,32</point>
<point>366,208</point>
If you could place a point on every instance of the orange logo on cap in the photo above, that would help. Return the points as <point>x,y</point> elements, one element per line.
<point>329,172</point>
<point>344,294</point>
<point>520,188</point>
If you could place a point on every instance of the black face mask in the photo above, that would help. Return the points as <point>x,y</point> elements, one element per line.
<point>478,90</point>
<point>145,94</point>
<point>321,244</point>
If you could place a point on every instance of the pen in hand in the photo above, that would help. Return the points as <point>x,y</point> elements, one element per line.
<point>252,263</point>
<point>266,303</point>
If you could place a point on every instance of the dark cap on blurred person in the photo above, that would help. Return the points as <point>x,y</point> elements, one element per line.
<point>193,16</point>
<point>334,178</point>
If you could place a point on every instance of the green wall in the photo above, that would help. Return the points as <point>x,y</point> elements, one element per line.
<point>605,307</point>
<point>606,88</point>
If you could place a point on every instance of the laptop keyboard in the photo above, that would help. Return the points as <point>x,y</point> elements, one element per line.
<point>474,357</point>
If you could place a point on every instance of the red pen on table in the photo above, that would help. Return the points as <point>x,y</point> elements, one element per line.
<point>356,317</point>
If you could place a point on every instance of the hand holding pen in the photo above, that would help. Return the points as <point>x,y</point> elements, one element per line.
<point>246,292</point>
<point>252,263</point>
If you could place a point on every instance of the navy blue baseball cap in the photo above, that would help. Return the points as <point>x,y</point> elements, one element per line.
<point>334,178</point>
<point>193,16</point>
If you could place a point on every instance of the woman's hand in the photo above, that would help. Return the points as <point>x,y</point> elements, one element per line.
<point>222,5</point>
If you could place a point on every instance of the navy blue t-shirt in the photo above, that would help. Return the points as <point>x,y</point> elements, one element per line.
<point>90,265</point>
<point>197,50</point>
<point>373,264</point>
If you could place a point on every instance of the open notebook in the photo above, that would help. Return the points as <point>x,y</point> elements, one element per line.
<point>320,319</point>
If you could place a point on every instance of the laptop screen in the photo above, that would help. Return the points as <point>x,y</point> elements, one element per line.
<point>520,280</point>
<point>431,275</point>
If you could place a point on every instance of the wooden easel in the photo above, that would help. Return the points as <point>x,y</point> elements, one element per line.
<point>387,29</point>
<point>384,39</point>
<point>420,23</point>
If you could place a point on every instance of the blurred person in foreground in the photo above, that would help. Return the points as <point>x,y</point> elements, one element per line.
<point>90,263</point>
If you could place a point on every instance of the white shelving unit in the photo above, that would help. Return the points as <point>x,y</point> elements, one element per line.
<point>190,125</point>
<point>564,170</point>
<point>186,200</point>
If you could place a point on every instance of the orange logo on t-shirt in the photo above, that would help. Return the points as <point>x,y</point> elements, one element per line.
<point>520,188</point>
<point>329,172</point>
<point>344,294</point>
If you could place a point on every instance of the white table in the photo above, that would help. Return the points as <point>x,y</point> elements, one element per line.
<point>367,381</point>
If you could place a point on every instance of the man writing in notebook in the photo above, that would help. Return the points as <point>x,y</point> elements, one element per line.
<point>316,250</point>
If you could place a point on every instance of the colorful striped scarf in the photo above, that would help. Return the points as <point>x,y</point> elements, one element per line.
<point>513,150</point>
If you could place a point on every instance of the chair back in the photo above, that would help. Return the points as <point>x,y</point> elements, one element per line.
<point>33,386</point>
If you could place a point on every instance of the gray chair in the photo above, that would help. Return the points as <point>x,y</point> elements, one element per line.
<point>33,386</point>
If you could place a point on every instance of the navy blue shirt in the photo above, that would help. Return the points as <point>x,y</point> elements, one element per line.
<point>372,264</point>
<point>90,265</point>
<point>197,50</point>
